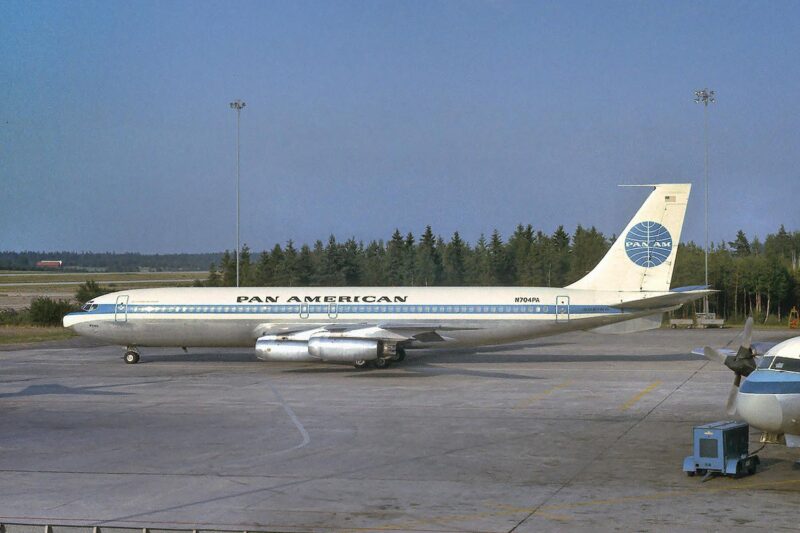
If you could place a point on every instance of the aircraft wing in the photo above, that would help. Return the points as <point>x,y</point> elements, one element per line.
<point>760,348</point>
<point>389,331</point>
<point>673,298</point>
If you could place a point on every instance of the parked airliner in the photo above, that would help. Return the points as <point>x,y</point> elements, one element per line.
<point>766,388</point>
<point>627,291</point>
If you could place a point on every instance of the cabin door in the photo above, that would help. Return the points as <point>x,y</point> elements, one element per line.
<point>562,308</point>
<point>121,309</point>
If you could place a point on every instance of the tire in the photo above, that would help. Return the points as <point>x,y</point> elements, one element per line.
<point>131,357</point>
<point>381,363</point>
<point>360,364</point>
<point>401,354</point>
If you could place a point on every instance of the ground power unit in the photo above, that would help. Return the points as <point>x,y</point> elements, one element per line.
<point>721,448</point>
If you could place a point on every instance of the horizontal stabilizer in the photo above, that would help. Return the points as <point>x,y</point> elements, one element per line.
<point>662,301</point>
<point>631,326</point>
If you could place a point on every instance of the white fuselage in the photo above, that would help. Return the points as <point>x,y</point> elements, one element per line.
<point>463,316</point>
<point>769,398</point>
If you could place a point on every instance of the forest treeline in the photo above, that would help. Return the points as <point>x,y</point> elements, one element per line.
<point>108,261</point>
<point>753,277</point>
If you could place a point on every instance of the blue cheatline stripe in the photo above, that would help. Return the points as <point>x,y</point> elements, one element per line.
<point>344,309</point>
<point>771,387</point>
<point>768,381</point>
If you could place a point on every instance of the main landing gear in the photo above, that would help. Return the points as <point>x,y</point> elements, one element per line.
<point>381,362</point>
<point>131,356</point>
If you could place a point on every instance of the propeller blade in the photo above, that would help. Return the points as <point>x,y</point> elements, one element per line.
<point>713,355</point>
<point>730,405</point>
<point>747,334</point>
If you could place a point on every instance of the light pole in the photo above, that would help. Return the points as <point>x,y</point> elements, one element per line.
<point>237,105</point>
<point>705,97</point>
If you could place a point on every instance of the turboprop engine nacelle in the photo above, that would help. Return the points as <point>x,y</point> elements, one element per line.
<point>325,349</point>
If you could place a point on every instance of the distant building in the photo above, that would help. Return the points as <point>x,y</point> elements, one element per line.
<point>49,264</point>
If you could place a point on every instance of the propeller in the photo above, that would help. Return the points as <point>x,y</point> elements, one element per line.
<point>742,364</point>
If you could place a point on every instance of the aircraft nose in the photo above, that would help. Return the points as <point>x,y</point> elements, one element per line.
<point>70,320</point>
<point>762,411</point>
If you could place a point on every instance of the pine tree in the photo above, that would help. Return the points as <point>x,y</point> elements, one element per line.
<point>245,270</point>
<point>373,272</point>
<point>290,264</point>
<point>214,279</point>
<point>481,268</point>
<point>427,261</point>
<point>304,267</point>
<point>409,256</point>
<point>498,260</point>
<point>588,248</point>
<point>455,261</point>
<point>278,267</point>
<point>228,267</point>
<point>519,251</point>
<point>350,264</point>
<point>395,264</point>
<point>264,270</point>
<point>740,246</point>
<point>560,257</point>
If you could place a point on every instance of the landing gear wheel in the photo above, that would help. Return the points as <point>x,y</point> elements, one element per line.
<point>381,363</point>
<point>401,354</point>
<point>360,364</point>
<point>131,357</point>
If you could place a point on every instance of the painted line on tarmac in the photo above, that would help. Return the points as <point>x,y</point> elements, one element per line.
<point>539,395</point>
<point>293,417</point>
<point>644,392</point>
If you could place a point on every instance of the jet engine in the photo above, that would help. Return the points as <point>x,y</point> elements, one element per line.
<point>269,348</point>
<point>325,349</point>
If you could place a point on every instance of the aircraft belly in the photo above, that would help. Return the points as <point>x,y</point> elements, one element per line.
<point>173,332</point>
<point>790,410</point>
<point>243,332</point>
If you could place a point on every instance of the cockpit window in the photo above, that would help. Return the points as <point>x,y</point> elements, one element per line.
<point>89,306</point>
<point>786,364</point>
<point>765,362</point>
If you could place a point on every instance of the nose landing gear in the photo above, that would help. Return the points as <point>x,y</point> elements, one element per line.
<point>131,356</point>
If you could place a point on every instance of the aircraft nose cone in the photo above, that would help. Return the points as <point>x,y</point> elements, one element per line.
<point>762,411</point>
<point>70,320</point>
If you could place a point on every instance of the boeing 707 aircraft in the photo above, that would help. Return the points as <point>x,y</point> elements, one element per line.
<point>627,291</point>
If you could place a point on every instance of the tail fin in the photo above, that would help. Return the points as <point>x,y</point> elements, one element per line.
<point>643,256</point>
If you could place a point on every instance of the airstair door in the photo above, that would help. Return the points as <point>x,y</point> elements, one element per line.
<point>121,309</point>
<point>562,308</point>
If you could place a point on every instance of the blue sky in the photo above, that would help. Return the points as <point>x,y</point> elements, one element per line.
<point>116,135</point>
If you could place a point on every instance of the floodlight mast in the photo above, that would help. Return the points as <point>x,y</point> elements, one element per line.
<point>237,105</point>
<point>705,97</point>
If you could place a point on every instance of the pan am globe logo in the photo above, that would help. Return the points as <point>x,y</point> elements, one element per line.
<point>648,244</point>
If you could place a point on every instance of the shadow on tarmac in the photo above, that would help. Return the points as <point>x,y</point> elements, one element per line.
<point>422,358</point>
<point>55,388</point>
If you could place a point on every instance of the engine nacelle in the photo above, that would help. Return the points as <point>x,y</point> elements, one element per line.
<point>271,349</point>
<point>327,349</point>
<point>344,350</point>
